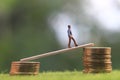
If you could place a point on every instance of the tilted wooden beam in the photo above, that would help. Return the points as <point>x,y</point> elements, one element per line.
<point>56,52</point>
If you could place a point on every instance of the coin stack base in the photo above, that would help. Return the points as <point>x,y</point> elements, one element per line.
<point>97,60</point>
<point>24,68</point>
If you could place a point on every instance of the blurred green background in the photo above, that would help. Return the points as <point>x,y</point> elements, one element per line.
<point>29,27</point>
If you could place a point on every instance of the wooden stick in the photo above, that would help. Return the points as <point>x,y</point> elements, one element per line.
<point>55,52</point>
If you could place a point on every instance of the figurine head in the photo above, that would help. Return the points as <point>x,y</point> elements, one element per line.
<point>69,26</point>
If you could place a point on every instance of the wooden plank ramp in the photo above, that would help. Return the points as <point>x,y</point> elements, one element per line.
<point>56,52</point>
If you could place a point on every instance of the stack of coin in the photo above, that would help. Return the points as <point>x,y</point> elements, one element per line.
<point>97,59</point>
<point>24,68</point>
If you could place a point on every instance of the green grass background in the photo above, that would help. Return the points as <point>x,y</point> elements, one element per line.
<point>66,75</point>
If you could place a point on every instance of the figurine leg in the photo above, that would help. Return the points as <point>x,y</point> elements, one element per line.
<point>74,42</point>
<point>69,43</point>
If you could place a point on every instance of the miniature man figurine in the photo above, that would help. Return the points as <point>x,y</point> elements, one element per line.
<point>70,37</point>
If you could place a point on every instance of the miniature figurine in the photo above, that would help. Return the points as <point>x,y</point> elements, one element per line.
<point>70,37</point>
